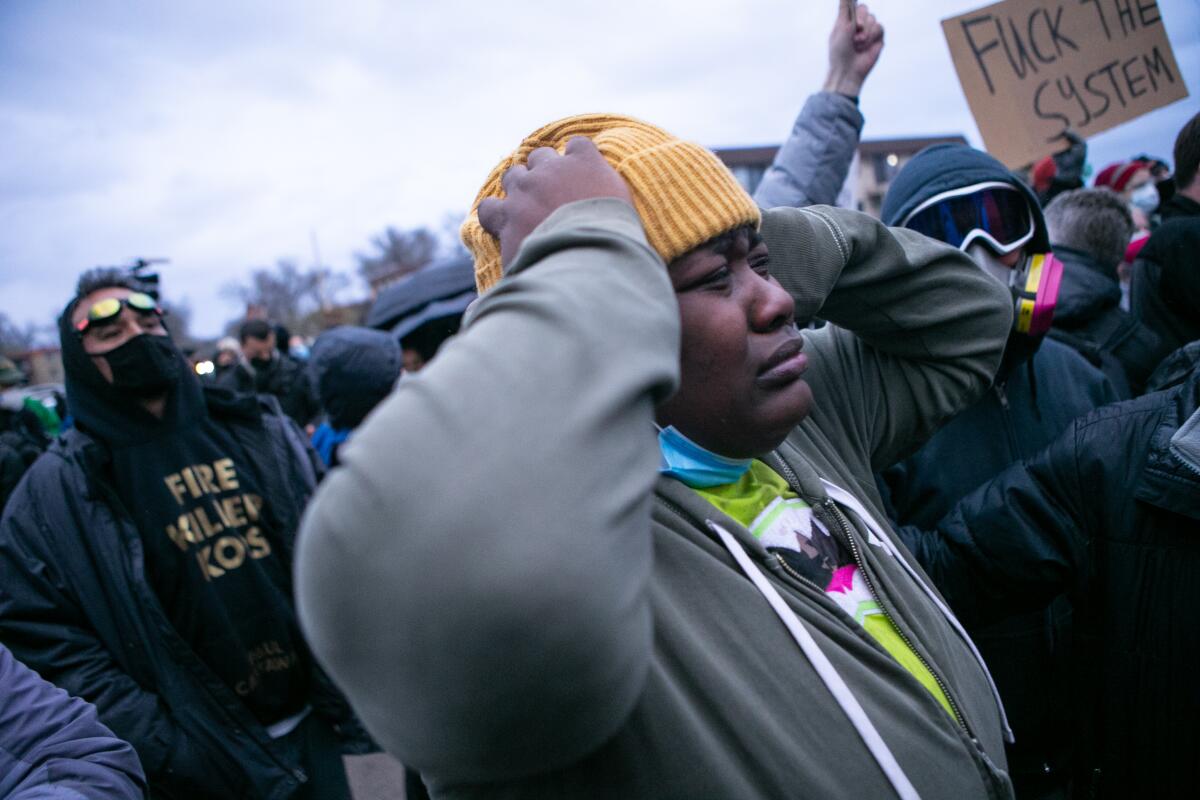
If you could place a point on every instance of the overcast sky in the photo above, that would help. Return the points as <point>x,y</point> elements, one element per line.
<point>224,135</point>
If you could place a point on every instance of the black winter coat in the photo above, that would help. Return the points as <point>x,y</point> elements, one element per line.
<point>1028,654</point>
<point>1164,293</point>
<point>286,379</point>
<point>76,606</point>
<point>1089,319</point>
<point>1112,507</point>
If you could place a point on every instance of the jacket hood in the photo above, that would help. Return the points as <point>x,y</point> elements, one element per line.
<point>1085,292</point>
<point>943,167</point>
<point>442,289</point>
<point>352,370</point>
<point>110,415</point>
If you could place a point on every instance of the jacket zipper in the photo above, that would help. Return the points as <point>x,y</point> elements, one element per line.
<point>832,510</point>
<point>1187,465</point>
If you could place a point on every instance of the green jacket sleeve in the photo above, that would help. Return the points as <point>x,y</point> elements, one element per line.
<point>917,329</point>
<point>474,575</point>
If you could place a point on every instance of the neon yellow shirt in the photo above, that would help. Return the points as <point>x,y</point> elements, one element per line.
<point>762,501</point>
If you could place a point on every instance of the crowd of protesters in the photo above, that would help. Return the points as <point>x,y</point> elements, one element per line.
<point>667,491</point>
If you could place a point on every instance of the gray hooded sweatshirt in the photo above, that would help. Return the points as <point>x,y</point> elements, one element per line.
<point>517,604</point>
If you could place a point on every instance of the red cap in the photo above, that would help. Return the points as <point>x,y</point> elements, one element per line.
<point>1117,176</point>
<point>1043,173</point>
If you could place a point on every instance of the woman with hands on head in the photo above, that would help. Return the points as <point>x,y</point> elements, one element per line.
<point>621,539</point>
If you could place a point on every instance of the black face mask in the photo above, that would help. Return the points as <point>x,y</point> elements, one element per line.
<point>145,366</point>
<point>261,363</point>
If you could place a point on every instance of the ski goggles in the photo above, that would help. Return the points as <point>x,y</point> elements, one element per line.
<point>993,212</point>
<point>107,310</point>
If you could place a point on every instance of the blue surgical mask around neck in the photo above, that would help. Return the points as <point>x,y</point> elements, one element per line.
<point>696,467</point>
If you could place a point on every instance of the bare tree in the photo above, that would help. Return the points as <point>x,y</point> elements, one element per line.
<point>398,252</point>
<point>18,339</point>
<point>452,244</point>
<point>286,293</point>
<point>177,319</point>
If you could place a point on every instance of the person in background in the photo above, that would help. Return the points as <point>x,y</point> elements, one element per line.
<point>811,165</point>
<point>1089,229</point>
<point>147,565</point>
<point>1167,295</point>
<point>561,600</point>
<point>968,199</point>
<point>1061,172</point>
<point>1162,291</point>
<point>298,348</point>
<point>228,354</point>
<point>52,745</point>
<point>264,369</point>
<point>353,370</point>
<point>422,310</point>
<point>26,428</point>
<point>1110,509</point>
<point>1133,182</point>
<point>1185,202</point>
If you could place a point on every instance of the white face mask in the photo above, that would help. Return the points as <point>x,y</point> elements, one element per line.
<point>1145,198</point>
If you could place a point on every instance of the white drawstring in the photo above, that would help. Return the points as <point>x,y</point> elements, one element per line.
<point>832,680</point>
<point>840,495</point>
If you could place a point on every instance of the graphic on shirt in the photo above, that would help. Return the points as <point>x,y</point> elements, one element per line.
<point>850,592</point>
<point>776,516</point>
<point>266,658</point>
<point>787,523</point>
<point>217,520</point>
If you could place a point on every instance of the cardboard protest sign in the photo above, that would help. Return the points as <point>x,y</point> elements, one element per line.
<point>1033,68</point>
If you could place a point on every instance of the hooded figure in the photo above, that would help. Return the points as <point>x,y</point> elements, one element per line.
<point>1041,386</point>
<point>1165,294</point>
<point>352,369</point>
<point>147,563</point>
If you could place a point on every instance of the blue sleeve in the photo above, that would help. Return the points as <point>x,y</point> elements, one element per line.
<point>53,745</point>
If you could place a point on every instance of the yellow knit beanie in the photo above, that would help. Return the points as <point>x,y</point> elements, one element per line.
<point>683,193</point>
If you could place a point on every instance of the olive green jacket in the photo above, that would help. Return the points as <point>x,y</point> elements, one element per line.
<point>516,603</point>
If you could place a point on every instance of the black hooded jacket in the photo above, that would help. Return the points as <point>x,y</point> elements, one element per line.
<point>353,369</point>
<point>284,379</point>
<point>1112,509</point>
<point>1165,290</point>
<point>1042,387</point>
<point>77,606</point>
<point>1178,207</point>
<point>1090,320</point>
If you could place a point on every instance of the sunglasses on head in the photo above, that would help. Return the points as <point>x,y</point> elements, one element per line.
<point>107,310</point>
<point>995,212</point>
